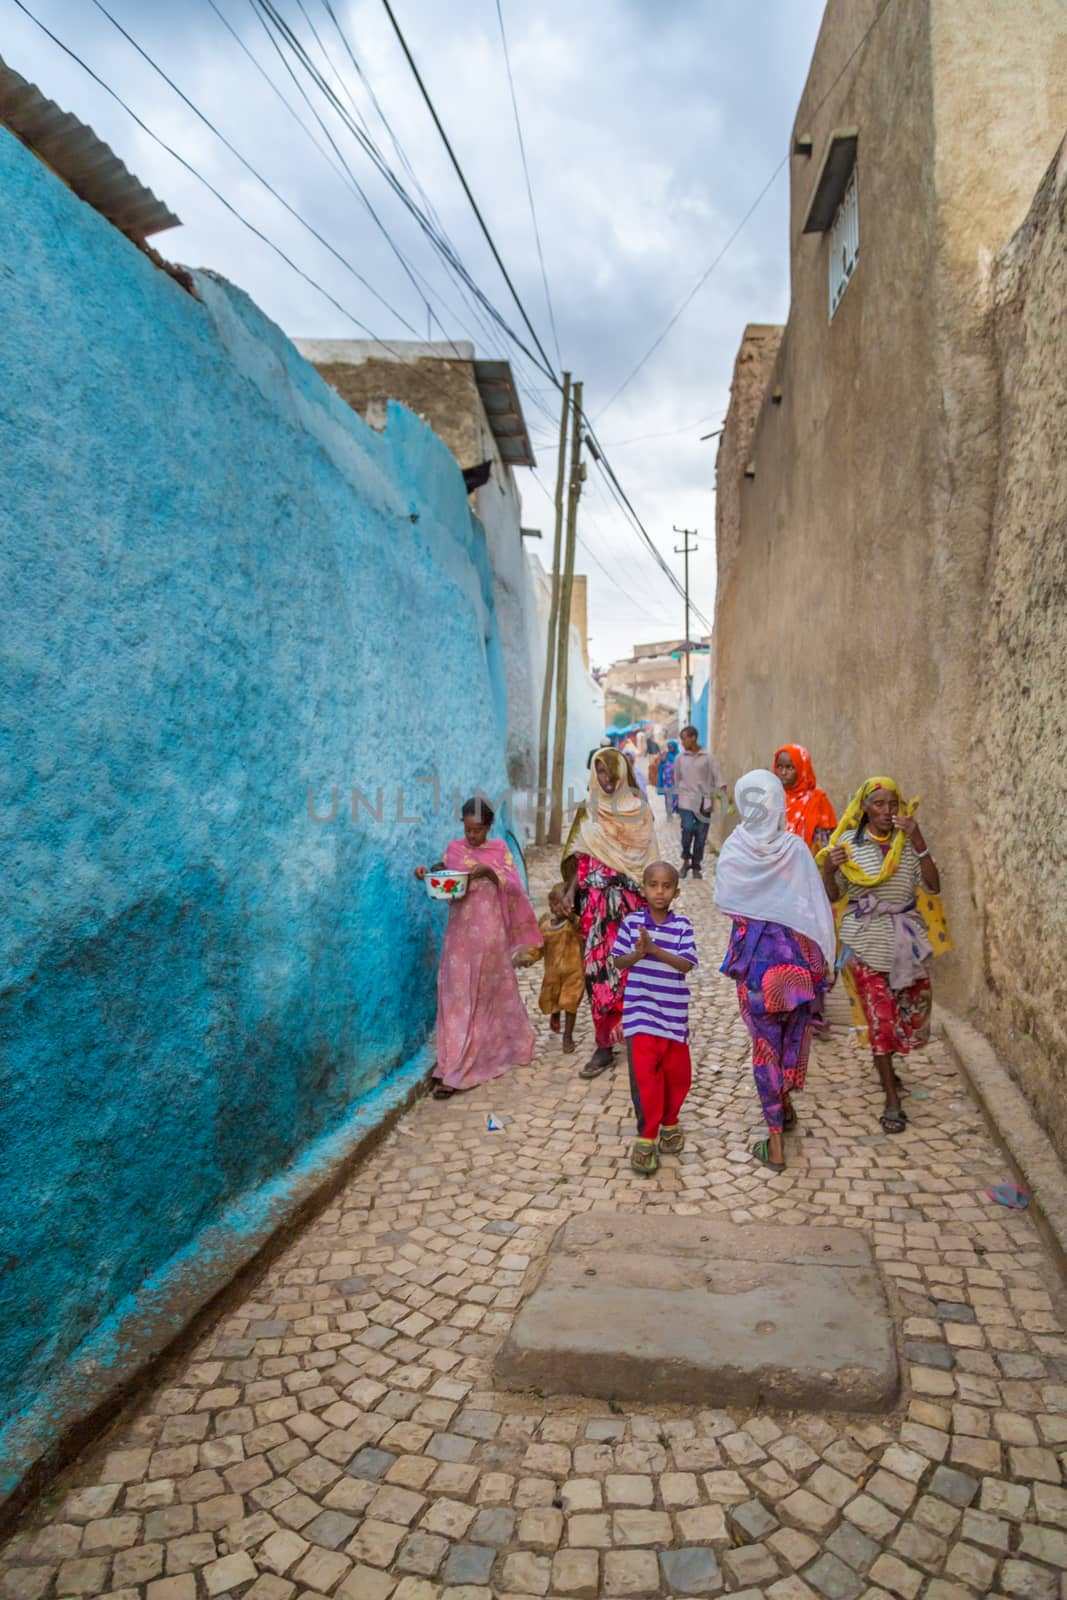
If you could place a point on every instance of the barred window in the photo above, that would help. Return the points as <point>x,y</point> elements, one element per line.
<point>844,243</point>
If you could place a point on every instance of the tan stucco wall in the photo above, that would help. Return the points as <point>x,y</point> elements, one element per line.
<point>1023,725</point>
<point>852,568</point>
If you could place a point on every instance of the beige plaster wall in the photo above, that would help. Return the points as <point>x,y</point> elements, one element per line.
<point>1023,725</point>
<point>852,567</point>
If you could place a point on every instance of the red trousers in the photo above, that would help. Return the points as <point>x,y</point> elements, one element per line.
<point>660,1075</point>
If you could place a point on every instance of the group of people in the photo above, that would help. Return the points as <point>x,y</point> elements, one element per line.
<point>809,896</point>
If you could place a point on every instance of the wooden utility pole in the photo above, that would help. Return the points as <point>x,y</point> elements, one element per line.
<point>553,619</point>
<point>563,630</point>
<point>689,533</point>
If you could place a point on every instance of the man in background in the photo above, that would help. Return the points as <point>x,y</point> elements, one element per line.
<point>697,781</point>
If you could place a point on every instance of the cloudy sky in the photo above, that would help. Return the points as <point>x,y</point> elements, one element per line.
<point>650,128</point>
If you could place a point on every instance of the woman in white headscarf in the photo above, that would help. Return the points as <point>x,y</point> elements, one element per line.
<point>781,951</point>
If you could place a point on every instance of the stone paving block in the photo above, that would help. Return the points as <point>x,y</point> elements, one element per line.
<point>495,1526</point>
<point>468,1564</point>
<point>229,1573</point>
<point>958,1488</point>
<point>853,1547</point>
<point>370,1464</point>
<point>703,1525</point>
<point>750,1565</point>
<point>630,1573</point>
<point>796,1549</point>
<point>1024,1581</point>
<point>897,1577</point>
<point>833,1579</point>
<point>422,1553</point>
<point>83,1575</point>
<point>804,1510</point>
<point>753,1520</point>
<point>525,1573</point>
<point>180,1588</point>
<point>691,1570</point>
<point>576,1573</point>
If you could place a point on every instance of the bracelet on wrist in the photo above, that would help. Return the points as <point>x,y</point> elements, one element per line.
<point>922,854</point>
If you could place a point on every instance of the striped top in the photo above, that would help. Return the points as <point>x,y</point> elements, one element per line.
<point>656,998</point>
<point>871,937</point>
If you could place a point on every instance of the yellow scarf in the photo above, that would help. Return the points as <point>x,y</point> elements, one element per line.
<point>928,905</point>
<point>851,820</point>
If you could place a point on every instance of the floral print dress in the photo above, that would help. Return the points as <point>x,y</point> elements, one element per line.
<point>604,898</point>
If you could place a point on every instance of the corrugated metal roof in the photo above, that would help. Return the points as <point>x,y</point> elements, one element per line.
<point>89,166</point>
<point>496,385</point>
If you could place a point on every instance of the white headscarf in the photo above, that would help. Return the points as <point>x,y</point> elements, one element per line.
<point>768,874</point>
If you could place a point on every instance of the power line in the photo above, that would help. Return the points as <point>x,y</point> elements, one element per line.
<point>620,495</point>
<point>671,433</point>
<point>143,53</point>
<point>467,190</point>
<point>706,274</point>
<point>526,174</point>
<point>294,43</point>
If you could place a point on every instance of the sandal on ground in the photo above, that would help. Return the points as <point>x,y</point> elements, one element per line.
<point>644,1157</point>
<point>789,1118</point>
<point>672,1140</point>
<point>894,1121</point>
<point>601,1059</point>
<point>441,1091</point>
<point>762,1152</point>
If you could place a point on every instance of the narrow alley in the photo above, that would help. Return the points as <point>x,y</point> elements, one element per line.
<point>337,1434</point>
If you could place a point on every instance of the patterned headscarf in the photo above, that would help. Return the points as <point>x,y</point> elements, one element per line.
<point>807,807</point>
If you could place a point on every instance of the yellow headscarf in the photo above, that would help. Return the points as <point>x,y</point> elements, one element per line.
<point>617,829</point>
<point>851,820</point>
<point>928,905</point>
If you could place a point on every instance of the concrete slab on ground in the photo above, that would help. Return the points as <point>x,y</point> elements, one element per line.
<point>695,1311</point>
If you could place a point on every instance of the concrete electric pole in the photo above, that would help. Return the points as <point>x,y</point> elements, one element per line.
<point>689,533</point>
<point>563,630</point>
<point>553,619</point>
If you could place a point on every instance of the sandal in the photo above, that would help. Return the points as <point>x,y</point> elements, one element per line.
<point>672,1140</point>
<point>789,1117</point>
<point>598,1062</point>
<point>441,1091</point>
<point>568,1045</point>
<point>762,1152</point>
<point>644,1157</point>
<point>894,1121</point>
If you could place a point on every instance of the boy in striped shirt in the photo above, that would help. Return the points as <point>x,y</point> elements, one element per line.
<point>656,948</point>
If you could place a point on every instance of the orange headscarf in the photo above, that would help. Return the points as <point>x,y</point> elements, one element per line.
<point>807,807</point>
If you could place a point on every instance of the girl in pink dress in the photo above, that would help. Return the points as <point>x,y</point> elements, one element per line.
<point>482,1026</point>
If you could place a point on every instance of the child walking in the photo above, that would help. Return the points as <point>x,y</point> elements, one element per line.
<point>656,949</point>
<point>563,984</point>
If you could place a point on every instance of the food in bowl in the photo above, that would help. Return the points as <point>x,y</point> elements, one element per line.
<point>446,885</point>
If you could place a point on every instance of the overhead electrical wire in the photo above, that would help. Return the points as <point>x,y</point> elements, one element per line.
<point>467,190</point>
<point>232,148</point>
<point>706,274</point>
<point>284,29</point>
<point>529,185</point>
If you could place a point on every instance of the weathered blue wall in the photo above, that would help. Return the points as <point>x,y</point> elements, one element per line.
<point>219,588</point>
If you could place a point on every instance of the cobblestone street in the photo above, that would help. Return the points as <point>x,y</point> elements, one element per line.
<point>338,1435</point>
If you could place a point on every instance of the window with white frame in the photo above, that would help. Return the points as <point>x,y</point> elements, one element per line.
<point>844,243</point>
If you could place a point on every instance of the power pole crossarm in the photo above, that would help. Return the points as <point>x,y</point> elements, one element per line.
<point>686,547</point>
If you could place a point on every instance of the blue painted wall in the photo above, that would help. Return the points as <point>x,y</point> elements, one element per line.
<point>220,588</point>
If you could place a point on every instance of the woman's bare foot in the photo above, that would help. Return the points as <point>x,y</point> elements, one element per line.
<point>568,1044</point>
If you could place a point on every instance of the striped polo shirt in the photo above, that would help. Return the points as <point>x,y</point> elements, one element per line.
<point>656,998</point>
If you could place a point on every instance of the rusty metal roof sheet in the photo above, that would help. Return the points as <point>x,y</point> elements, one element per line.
<point>500,397</point>
<point>84,162</point>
